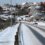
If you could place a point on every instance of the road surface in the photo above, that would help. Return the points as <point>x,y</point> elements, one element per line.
<point>31,35</point>
<point>27,35</point>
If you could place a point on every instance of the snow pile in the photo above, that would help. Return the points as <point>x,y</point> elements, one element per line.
<point>41,23</point>
<point>7,37</point>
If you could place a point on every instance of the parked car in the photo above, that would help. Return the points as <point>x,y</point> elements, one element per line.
<point>35,23</point>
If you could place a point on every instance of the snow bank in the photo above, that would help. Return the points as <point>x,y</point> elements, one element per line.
<point>7,37</point>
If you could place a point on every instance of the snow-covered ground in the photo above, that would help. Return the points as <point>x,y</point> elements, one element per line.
<point>26,35</point>
<point>7,37</point>
<point>41,23</point>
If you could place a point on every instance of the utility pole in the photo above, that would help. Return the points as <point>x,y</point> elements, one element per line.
<point>11,13</point>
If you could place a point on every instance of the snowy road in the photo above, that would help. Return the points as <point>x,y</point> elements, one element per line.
<point>27,35</point>
<point>31,35</point>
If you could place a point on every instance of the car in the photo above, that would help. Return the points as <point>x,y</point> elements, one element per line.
<point>35,23</point>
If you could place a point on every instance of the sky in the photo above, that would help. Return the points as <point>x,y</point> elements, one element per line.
<point>18,1</point>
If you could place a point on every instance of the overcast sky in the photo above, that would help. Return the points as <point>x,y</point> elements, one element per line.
<point>19,1</point>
